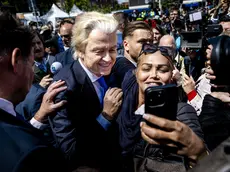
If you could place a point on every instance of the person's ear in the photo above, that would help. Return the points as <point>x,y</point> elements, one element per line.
<point>16,57</point>
<point>80,55</point>
<point>126,45</point>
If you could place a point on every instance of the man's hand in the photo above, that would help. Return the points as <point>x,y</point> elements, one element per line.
<point>172,133</point>
<point>46,81</point>
<point>48,107</point>
<point>188,84</point>
<point>112,103</point>
<point>219,5</point>
<point>209,52</point>
<point>223,96</point>
<point>210,74</point>
<point>176,74</point>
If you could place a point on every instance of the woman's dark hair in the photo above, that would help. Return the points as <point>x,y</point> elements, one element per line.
<point>13,35</point>
<point>36,33</point>
<point>160,29</point>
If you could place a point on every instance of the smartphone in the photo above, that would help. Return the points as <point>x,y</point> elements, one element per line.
<point>162,101</point>
<point>187,65</point>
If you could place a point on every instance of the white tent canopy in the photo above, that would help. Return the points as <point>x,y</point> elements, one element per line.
<point>31,17</point>
<point>192,1</point>
<point>53,13</point>
<point>74,11</point>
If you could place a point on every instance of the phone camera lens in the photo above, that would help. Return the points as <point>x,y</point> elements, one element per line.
<point>159,94</point>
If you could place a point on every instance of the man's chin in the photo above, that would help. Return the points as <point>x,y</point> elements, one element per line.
<point>105,73</point>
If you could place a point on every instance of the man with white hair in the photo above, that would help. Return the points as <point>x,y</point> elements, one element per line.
<point>84,129</point>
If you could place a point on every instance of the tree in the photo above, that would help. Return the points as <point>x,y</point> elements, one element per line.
<point>19,5</point>
<point>68,5</point>
<point>84,5</point>
<point>45,5</point>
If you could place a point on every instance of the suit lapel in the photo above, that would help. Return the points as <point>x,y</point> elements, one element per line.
<point>88,89</point>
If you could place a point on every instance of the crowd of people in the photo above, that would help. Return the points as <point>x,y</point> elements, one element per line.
<point>75,100</point>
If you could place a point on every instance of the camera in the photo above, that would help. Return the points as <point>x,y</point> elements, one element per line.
<point>197,37</point>
<point>220,61</point>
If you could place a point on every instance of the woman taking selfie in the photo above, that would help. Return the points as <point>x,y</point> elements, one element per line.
<point>171,145</point>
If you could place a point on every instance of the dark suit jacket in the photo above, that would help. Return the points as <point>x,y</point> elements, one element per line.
<point>78,134</point>
<point>65,57</point>
<point>120,68</point>
<point>23,148</point>
<point>31,103</point>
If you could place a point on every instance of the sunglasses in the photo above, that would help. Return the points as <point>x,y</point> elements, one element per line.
<point>152,48</point>
<point>65,36</point>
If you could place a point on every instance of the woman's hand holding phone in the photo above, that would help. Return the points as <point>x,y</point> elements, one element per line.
<point>173,134</point>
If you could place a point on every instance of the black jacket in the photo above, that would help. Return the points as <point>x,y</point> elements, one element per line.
<point>65,57</point>
<point>23,148</point>
<point>120,68</point>
<point>215,121</point>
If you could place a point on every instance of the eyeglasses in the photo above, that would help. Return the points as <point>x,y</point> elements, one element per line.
<point>65,36</point>
<point>152,48</point>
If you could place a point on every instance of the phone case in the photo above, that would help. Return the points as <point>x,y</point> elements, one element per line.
<point>162,101</point>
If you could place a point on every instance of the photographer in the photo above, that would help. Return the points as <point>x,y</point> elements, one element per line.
<point>184,134</point>
<point>196,91</point>
<point>215,115</point>
<point>220,11</point>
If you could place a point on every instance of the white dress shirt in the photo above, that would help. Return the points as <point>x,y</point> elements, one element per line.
<point>66,48</point>
<point>8,107</point>
<point>203,87</point>
<point>94,79</point>
<point>133,62</point>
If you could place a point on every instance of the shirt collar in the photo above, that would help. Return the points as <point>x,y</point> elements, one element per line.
<point>7,106</point>
<point>93,78</point>
<point>66,48</point>
<point>134,63</point>
<point>140,110</point>
<point>39,63</point>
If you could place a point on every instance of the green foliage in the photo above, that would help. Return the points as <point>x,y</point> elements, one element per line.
<point>169,3</point>
<point>68,5</point>
<point>83,4</point>
<point>19,5</point>
<point>5,2</point>
<point>22,5</point>
<point>44,5</point>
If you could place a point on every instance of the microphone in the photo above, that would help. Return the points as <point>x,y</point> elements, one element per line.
<point>55,68</point>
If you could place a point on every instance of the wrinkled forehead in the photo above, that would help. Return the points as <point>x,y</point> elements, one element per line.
<point>102,39</point>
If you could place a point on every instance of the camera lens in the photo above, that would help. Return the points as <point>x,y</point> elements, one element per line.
<point>220,60</point>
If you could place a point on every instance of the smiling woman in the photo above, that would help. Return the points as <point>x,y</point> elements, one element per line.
<point>155,68</point>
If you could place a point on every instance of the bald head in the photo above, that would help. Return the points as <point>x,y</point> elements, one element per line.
<point>168,41</point>
<point>66,33</point>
